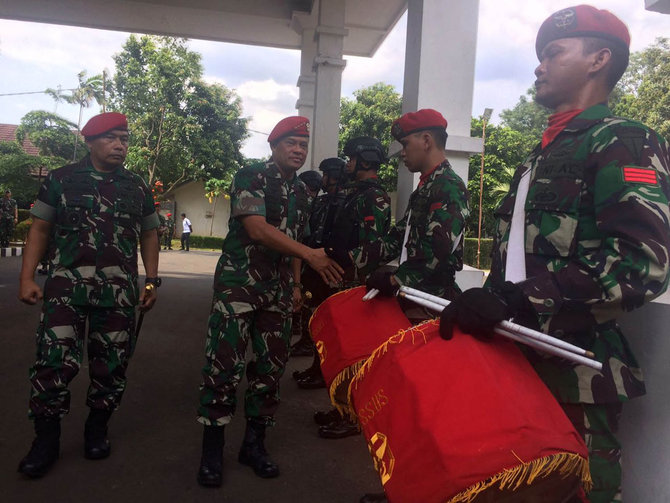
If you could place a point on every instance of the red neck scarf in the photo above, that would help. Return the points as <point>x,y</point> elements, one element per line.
<point>425,176</point>
<point>557,123</point>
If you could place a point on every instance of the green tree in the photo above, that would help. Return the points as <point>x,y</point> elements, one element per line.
<point>89,90</point>
<point>15,173</point>
<point>370,113</point>
<point>505,149</point>
<point>643,93</point>
<point>181,128</point>
<point>527,117</point>
<point>51,134</point>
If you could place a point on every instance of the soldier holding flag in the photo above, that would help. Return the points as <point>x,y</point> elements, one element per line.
<point>583,234</point>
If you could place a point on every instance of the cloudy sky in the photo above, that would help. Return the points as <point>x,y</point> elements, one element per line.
<point>36,56</point>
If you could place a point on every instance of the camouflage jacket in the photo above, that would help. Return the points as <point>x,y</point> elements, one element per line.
<point>7,208</point>
<point>169,224</point>
<point>162,224</point>
<point>249,275</point>
<point>321,215</point>
<point>98,218</point>
<point>436,213</point>
<point>360,223</point>
<point>597,237</point>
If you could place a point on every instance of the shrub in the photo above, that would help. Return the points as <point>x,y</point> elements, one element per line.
<point>21,230</point>
<point>213,242</point>
<point>470,252</point>
<point>23,214</point>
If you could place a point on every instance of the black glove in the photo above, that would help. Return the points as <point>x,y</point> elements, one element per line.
<point>478,310</point>
<point>381,280</point>
<point>339,255</point>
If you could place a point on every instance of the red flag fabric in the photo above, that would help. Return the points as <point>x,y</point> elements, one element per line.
<point>346,330</point>
<point>464,421</point>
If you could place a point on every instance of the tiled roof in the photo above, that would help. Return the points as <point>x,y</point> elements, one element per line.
<point>8,133</point>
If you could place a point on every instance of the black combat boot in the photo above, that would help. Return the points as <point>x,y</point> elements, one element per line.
<point>253,451</point>
<point>96,443</point>
<point>211,461</point>
<point>44,451</point>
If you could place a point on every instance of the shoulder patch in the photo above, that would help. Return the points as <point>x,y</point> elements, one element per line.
<point>637,174</point>
<point>633,138</point>
<point>435,206</point>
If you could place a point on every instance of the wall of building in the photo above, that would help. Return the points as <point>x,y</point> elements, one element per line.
<point>207,219</point>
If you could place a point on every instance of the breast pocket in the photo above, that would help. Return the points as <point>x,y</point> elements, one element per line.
<point>128,216</point>
<point>75,214</point>
<point>552,217</point>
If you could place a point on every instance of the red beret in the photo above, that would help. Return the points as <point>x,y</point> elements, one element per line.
<point>411,122</point>
<point>102,123</point>
<point>582,21</point>
<point>290,126</point>
<point>169,214</point>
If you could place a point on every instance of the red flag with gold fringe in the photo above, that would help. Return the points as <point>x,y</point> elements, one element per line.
<point>464,421</point>
<point>347,330</point>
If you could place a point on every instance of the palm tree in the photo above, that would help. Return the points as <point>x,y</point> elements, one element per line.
<point>501,189</point>
<point>88,90</point>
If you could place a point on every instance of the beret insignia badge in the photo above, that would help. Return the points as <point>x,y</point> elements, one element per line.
<point>565,18</point>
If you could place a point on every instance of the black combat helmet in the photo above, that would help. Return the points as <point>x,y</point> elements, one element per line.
<point>312,179</point>
<point>333,167</point>
<point>367,148</point>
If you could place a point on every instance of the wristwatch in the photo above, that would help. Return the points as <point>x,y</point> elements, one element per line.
<point>153,281</point>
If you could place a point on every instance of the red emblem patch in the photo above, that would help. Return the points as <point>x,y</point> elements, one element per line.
<point>435,206</point>
<point>369,219</point>
<point>636,174</point>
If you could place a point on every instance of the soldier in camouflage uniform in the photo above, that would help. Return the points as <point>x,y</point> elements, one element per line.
<point>169,232</point>
<point>354,220</point>
<point>582,236</point>
<point>92,215</point>
<point>9,217</point>
<point>428,240</point>
<point>359,222</point>
<point>254,296</point>
<point>321,215</point>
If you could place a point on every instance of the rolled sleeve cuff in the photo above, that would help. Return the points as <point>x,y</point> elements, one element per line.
<point>150,222</point>
<point>42,210</point>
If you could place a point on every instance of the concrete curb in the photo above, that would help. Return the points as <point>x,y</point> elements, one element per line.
<point>12,251</point>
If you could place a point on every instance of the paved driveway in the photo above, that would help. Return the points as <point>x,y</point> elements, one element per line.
<point>155,438</point>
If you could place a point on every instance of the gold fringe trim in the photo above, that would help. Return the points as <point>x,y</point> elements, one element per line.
<point>344,376</point>
<point>564,463</point>
<point>363,367</point>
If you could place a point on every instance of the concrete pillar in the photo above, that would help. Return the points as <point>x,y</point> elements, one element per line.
<point>440,74</point>
<point>328,64</point>
<point>307,87</point>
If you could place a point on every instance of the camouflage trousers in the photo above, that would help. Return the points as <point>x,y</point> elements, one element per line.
<point>6,231</point>
<point>60,347</point>
<point>227,339</point>
<point>167,238</point>
<point>598,425</point>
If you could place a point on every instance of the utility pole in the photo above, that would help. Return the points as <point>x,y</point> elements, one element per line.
<point>485,118</point>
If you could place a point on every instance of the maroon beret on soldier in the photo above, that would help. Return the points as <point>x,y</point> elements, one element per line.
<point>102,123</point>
<point>290,126</point>
<point>411,122</point>
<point>582,21</point>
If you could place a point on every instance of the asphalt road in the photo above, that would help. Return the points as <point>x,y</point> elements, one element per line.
<point>155,437</point>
